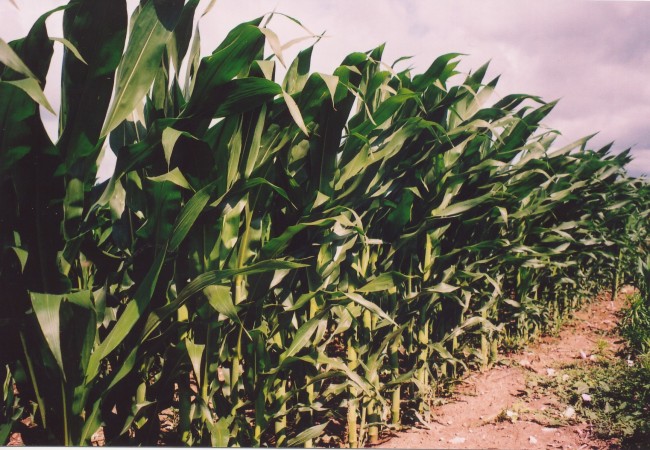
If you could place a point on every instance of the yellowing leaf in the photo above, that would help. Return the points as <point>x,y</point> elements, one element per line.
<point>33,89</point>
<point>295,112</point>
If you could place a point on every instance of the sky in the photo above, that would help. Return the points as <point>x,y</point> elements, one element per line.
<point>592,55</point>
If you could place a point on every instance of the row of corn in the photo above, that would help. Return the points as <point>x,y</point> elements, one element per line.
<point>279,263</point>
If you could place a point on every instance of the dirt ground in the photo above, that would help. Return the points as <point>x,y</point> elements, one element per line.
<point>496,409</point>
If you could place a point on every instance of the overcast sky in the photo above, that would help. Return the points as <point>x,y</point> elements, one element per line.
<point>594,56</point>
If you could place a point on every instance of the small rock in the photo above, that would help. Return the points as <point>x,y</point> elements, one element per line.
<point>565,377</point>
<point>441,439</point>
<point>449,422</point>
<point>532,440</point>
<point>593,358</point>
<point>524,363</point>
<point>583,354</point>
<point>630,363</point>
<point>548,430</point>
<point>457,440</point>
<point>586,397</point>
<point>550,372</point>
<point>569,412</point>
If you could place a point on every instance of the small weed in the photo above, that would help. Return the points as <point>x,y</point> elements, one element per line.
<point>635,325</point>
<point>602,346</point>
<point>510,414</point>
<point>507,415</point>
<point>612,394</point>
<point>555,329</point>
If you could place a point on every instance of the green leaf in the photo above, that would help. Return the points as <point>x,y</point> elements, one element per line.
<point>308,434</point>
<point>384,281</point>
<point>180,42</point>
<point>298,72</point>
<point>332,82</point>
<point>131,314</point>
<point>175,176</point>
<point>169,138</point>
<point>47,307</point>
<point>91,424</point>
<point>214,277</point>
<point>242,95</point>
<point>22,256</point>
<point>189,214</point>
<point>460,207</point>
<point>33,89</point>
<point>277,245</point>
<point>124,369</point>
<point>137,410</point>
<point>97,30</point>
<point>220,298</point>
<point>356,298</point>
<point>302,336</point>
<point>150,33</point>
<point>237,51</point>
<point>195,352</point>
<point>220,432</point>
<point>443,288</point>
<point>9,58</point>
<point>70,46</point>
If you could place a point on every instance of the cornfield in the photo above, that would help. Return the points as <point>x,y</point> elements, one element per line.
<point>272,261</point>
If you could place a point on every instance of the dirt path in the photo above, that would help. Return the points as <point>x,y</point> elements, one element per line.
<point>497,409</point>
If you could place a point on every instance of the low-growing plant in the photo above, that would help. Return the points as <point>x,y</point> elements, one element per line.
<point>612,395</point>
<point>635,325</point>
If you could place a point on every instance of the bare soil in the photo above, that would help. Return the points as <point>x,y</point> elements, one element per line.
<point>496,409</point>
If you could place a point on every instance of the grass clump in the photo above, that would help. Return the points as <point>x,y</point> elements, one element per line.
<point>635,325</point>
<point>613,394</point>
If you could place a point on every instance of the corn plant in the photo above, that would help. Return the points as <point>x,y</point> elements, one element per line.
<point>274,260</point>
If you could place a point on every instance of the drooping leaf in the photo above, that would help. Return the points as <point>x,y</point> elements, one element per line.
<point>302,337</point>
<point>295,112</point>
<point>384,281</point>
<point>32,88</point>
<point>9,58</point>
<point>308,434</point>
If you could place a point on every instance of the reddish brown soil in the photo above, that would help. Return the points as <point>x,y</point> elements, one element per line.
<point>497,410</point>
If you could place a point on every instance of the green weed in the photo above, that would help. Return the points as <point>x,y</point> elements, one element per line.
<point>635,325</point>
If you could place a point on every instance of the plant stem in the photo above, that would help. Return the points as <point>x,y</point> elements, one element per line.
<point>32,375</point>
